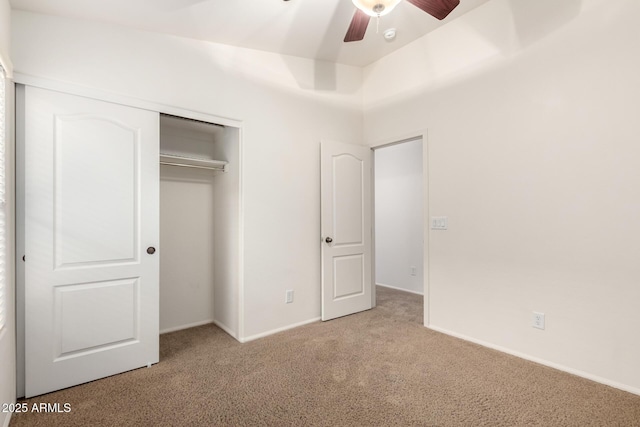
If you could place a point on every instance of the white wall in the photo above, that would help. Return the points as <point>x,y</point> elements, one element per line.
<point>7,334</point>
<point>227,231</point>
<point>283,119</point>
<point>399,216</point>
<point>532,111</point>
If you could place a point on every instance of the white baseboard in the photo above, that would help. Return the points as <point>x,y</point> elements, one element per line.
<point>7,420</point>
<point>187,326</point>
<point>275,331</point>
<point>219,324</point>
<point>225,328</point>
<point>557,366</point>
<point>399,289</point>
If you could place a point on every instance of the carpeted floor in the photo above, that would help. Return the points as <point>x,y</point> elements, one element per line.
<point>377,368</point>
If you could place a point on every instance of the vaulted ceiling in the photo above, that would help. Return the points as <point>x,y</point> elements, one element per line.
<point>306,28</point>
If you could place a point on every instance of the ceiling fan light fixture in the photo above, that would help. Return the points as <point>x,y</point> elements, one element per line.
<point>376,7</point>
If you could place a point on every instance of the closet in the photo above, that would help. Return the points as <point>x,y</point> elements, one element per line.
<point>129,223</point>
<point>199,190</point>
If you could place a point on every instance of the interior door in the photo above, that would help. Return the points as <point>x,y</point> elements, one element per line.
<point>91,225</point>
<point>346,207</point>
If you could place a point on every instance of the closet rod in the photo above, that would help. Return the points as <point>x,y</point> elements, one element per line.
<point>182,165</point>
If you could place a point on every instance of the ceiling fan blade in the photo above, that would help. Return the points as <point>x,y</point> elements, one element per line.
<point>358,26</point>
<point>439,9</point>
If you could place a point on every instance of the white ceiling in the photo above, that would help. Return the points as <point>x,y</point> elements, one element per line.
<point>307,28</point>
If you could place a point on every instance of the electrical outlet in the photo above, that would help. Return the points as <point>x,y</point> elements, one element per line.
<point>538,320</point>
<point>288,296</point>
<point>413,271</point>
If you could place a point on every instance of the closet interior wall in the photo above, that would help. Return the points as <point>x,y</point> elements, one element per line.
<point>198,227</point>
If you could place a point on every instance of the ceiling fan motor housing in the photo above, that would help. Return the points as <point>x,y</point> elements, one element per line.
<point>376,7</point>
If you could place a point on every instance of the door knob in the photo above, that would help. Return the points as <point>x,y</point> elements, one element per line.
<point>328,240</point>
<point>151,250</point>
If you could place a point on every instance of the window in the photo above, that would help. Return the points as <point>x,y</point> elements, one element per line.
<point>3,207</point>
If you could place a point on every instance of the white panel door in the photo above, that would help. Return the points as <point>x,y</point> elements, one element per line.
<point>91,228</point>
<point>346,207</point>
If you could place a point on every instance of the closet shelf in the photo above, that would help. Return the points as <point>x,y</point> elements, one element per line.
<point>191,162</point>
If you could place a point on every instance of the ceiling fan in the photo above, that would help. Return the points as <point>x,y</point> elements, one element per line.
<point>439,9</point>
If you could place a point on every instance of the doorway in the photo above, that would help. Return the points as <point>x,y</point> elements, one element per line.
<point>399,212</point>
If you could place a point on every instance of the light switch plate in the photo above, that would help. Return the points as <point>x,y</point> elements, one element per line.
<point>439,223</point>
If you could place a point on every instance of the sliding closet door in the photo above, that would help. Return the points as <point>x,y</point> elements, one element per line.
<point>91,228</point>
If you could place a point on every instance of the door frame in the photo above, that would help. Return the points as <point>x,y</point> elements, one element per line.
<point>388,142</point>
<point>21,80</point>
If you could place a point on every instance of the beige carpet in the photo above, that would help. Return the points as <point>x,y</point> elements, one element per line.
<point>377,368</point>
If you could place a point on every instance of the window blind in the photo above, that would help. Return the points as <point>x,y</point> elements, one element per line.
<point>3,205</point>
